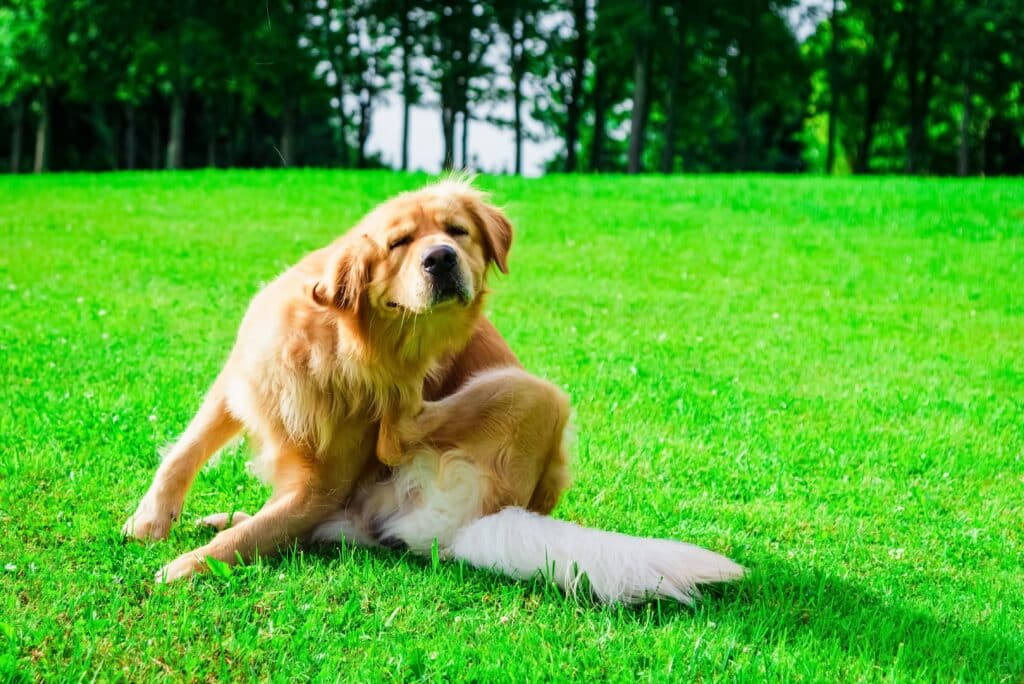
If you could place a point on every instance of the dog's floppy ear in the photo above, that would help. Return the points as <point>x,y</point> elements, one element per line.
<point>345,277</point>
<point>496,231</point>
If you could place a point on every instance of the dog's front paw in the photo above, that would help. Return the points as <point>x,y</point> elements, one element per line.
<point>151,520</point>
<point>182,567</point>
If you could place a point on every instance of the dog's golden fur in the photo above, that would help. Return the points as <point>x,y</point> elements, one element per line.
<point>388,411</point>
<point>329,372</point>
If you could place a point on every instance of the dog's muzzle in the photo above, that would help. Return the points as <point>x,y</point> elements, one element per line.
<point>441,264</point>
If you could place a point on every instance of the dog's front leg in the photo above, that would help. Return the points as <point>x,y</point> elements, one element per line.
<point>288,516</point>
<point>211,428</point>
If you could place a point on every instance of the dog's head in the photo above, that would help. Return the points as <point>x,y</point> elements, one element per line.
<point>422,254</point>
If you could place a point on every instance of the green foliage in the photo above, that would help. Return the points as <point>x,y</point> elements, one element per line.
<point>915,86</point>
<point>819,377</point>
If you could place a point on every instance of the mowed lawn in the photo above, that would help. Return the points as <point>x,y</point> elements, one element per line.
<point>823,379</point>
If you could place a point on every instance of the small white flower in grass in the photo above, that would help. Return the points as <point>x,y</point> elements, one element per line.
<point>714,392</point>
<point>101,312</point>
<point>11,567</point>
<point>662,337</point>
<point>114,418</point>
<point>504,619</point>
<point>633,370</point>
<point>898,509</point>
<point>105,336</point>
<point>945,476</point>
<point>80,300</point>
<point>32,566</point>
<point>152,417</point>
<point>896,554</point>
<point>71,475</point>
<point>775,314</point>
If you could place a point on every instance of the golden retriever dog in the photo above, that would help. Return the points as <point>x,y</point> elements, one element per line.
<point>388,411</point>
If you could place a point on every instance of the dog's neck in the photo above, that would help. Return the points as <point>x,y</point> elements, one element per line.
<point>395,355</point>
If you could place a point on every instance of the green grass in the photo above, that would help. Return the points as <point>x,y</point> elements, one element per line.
<point>823,379</point>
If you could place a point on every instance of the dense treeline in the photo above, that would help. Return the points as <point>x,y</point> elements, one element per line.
<point>916,86</point>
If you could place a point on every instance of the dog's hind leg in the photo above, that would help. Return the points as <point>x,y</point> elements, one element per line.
<point>209,430</point>
<point>512,425</point>
<point>222,521</point>
<point>496,442</point>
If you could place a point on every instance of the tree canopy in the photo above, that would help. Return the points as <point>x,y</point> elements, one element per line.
<point>835,86</point>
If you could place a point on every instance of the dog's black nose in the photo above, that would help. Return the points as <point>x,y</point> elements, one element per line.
<point>439,260</point>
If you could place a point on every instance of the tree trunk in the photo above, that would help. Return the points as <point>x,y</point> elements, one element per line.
<point>833,87</point>
<point>882,64</point>
<point>465,139</point>
<point>211,149</point>
<point>668,152</point>
<point>867,140</point>
<point>154,142</point>
<point>517,99</point>
<point>597,94</point>
<point>363,134</point>
<point>176,131</point>
<point>130,142</point>
<point>518,71</point>
<point>641,80</point>
<point>42,134</point>
<point>448,132</point>
<point>572,124</point>
<point>913,86</point>
<point>921,79</point>
<point>342,121</point>
<point>17,130</point>
<point>106,139</point>
<point>963,160</point>
<point>983,148</point>
<point>288,136</point>
<point>406,39</point>
<point>921,108</point>
<point>745,105</point>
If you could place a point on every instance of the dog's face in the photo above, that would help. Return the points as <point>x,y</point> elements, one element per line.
<point>421,254</point>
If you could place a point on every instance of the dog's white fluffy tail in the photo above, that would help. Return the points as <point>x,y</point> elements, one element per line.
<point>619,568</point>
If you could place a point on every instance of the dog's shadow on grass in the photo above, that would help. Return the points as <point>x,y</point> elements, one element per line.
<point>780,603</point>
<point>777,604</point>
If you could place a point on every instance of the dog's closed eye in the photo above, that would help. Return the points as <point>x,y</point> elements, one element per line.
<point>400,242</point>
<point>456,231</point>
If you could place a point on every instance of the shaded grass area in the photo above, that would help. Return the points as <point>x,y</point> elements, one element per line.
<point>823,379</point>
